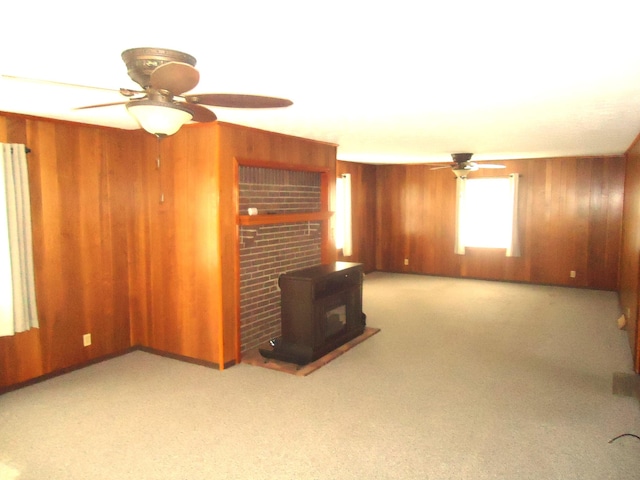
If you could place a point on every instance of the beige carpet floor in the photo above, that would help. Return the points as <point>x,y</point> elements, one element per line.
<point>467,380</point>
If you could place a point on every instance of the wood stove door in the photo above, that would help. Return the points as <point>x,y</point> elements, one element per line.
<point>336,314</point>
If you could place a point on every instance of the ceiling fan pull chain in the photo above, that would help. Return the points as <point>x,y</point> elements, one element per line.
<point>158,165</point>
<point>158,139</point>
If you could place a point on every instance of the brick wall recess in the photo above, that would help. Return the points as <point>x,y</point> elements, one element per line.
<point>267,251</point>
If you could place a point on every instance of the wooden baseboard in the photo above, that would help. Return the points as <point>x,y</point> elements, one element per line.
<point>62,371</point>
<point>72,368</point>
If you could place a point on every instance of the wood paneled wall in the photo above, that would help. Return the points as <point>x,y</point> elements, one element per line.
<point>630,254</point>
<point>363,205</point>
<point>174,245</point>
<point>115,261</point>
<point>186,274</point>
<point>78,183</point>
<point>570,218</point>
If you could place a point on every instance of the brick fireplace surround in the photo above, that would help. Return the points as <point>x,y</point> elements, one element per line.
<point>267,251</point>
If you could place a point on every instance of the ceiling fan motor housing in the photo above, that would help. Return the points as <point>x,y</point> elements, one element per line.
<point>461,157</point>
<point>141,62</point>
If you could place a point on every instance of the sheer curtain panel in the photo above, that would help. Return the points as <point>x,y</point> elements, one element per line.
<point>513,249</point>
<point>344,206</point>
<point>18,309</point>
<point>461,184</point>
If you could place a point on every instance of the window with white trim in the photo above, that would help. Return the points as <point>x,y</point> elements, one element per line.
<point>487,214</point>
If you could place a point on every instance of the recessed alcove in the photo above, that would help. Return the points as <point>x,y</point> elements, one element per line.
<point>286,234</point>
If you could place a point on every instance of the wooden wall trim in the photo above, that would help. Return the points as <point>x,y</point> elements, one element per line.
<point>629,290</point>
<point>72,368</point>
<point>61,371</point>
<point>237,325</point>
<point>253,162</point>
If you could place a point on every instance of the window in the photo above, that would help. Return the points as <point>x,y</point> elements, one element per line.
<point>343,214</point>
<point>487,214</point>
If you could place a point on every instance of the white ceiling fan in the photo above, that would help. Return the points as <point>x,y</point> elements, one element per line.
<point>462,165</point>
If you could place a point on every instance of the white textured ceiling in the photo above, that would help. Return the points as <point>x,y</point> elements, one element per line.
<point>388,82</point>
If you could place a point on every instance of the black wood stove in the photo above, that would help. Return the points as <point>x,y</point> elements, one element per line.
<point>321,309</point>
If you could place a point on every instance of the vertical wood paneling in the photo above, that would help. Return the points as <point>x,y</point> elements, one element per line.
<point>439,188</point>
<point>114,261</point>
<point>184,252</point>
<point>416,225</point>
<point>80,251</point>
<point>570,219</point>
<point>390,212</point>
<point>174,247</point>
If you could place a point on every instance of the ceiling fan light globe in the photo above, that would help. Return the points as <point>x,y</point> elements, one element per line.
<point>159,118</point>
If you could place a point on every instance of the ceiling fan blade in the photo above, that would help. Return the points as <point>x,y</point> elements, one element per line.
<point>200,113</point>
<point>100,105</point>
<point>441,167</point>
<point>53,82</point>
<point>175,77</point>
<point>234,100</point>
<point>489,165</point>
<point>127,92</point>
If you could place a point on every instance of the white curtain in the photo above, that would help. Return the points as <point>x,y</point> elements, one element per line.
<point>18,310</point>
<point>347,250</point>
<point>461,184</point>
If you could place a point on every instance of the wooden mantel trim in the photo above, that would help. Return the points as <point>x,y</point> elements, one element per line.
<point>283,218</point>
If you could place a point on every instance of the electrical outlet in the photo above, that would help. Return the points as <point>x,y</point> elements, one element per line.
<point>86,339</point>
<point>572,274</point>
<point>406,261</point>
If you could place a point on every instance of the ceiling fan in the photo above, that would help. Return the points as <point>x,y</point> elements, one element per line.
<point>161,107</point>
<point>462,165</point>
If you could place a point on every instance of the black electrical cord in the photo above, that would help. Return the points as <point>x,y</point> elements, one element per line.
<point>624,435</point>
